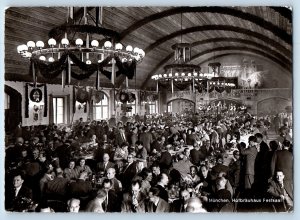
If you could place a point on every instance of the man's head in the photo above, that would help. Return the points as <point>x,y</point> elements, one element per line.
<point>135,187</point>
<point>105,157</point>
<point>236,154</point>
<point>194,205</point>
<point>204,170</point>
<point>111,172</point>
<point>185,195</point>
<point>107,184</point>
<point>259,137</point>
<point>279,176</point>
<point>156,169</point>
<point>163,179</point>
<point>221,183</point>
<point>19,141</point>
<point>130,158</point>
<point>72,164</point>
<point>286,144</point>
<point>82,162</point>
<point>153,194</point>
<point>193,171</point>
<point>35,153</point>
<point>73,205</point>
<point>252,141</point>
<point>18,180</point>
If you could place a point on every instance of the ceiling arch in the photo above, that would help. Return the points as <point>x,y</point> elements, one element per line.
<point>218,27</point>
<point>282,34</point>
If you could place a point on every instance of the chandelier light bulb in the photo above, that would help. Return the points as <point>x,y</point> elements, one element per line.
<point>142,53</point>
<point>95,43</point>
<point>51,59</point>
<point>119,46</point>
<point>136,50</point>
<point>65,42</point>
<point>189,74</point>
<point>129,48</point>
<point>170,75</point>
<point>124,60</point>
<point>40,44</point>
<point>79,42</point>
<point>107,44</point>
<point>160,76</point>
<point>165,75</point>
<point>52,42</point>
<point>20,48</point>
<point>30,44</point>
<point>182,74</point>
<point>43,58</point>
<point>88,62</point>
<point>195,74</point>
<point>176,74</point>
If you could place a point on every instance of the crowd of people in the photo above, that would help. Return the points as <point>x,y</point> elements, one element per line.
<point>155,164</point>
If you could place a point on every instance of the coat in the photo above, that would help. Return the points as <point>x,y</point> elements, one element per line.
<point>13,202</point>
<point>250,154</point>
<point>146,138</point>
<point>100,166</point>
<point>162,206</point>
<point>283,160</point>
<point>127,205</point>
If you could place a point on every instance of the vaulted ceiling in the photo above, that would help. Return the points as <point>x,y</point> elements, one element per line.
<point>262,32</point>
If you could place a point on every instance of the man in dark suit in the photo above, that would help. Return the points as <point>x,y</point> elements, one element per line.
<point>162,183</point>
<point>105,165</point>
<point>250,154</point>
<point>156,204</point>
<point>146,138</point>
<point>57,188</point>
<point>128,172</point>
<point>282,189</point>
<point>165,161</point>
<point>283,160</point>
<point>120,136</point>
<point>80,188</point>
<point>18,196</point>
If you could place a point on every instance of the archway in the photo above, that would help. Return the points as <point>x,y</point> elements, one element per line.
<point>181,106</point>
<point>272,106</point>
<point>13,108</point>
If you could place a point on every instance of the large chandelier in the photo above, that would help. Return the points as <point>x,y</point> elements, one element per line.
<point>89,47</point>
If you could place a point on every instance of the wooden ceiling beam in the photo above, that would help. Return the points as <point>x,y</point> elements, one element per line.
<point>277,31</point>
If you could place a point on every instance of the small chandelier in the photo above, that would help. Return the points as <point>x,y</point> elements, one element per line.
<point>180,72</point>
<point>80,47</point>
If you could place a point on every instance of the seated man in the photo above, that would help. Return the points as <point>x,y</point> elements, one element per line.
<point>18,195</point>
<point>73,205</point>
<point>281,189</point>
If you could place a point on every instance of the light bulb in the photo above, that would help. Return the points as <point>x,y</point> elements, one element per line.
<point>19,48</point>
<point>107,44</point>
<point>30,44</point>
<point>51,59</point>
<point>88,62</point>
<point>136,50</point>
<point>43,58</point>
<point>170,75</point>
<point>176,74</point>
<point>119,46</point>
<point>124,60</point>
<point>182,74</point>
<point>40,44</point>
<point>95,43</point>
<point>79,42</point>
<point>160,76</point>
<point>189,74</point>
<point>165,75</point>
<point>142,53</point>
<point>52,42</point>
<point>65,42</point>
<point>195,74</point>
<point>129,48</point>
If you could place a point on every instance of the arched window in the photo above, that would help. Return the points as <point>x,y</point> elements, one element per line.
<point>101,110</point>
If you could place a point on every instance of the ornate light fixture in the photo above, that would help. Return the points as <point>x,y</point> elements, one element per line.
<point>66,47</point>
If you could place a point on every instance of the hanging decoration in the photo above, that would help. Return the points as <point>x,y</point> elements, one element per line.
<point>37,96</point>
<point>126,96</point>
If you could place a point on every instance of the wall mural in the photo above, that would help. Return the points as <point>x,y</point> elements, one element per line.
<point>249,73</point>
